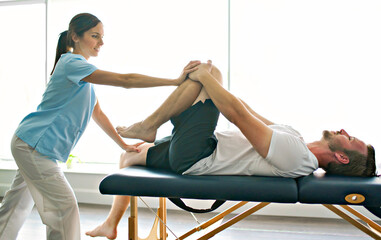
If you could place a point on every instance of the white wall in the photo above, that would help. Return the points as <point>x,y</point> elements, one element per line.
<point>285,46</point>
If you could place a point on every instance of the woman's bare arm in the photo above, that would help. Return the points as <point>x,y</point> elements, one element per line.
<point>134,80</point>
<point>103,122</point>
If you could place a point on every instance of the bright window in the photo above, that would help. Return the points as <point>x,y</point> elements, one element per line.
<point>150,37</point>
<point>311,64</point>
<point>314,65</point>
<point>22,66</point>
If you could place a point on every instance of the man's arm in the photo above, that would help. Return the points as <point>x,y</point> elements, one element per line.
<point>250,123</point>
<point>264,120</point>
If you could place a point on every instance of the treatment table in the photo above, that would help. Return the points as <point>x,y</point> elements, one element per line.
<point>327,190</point>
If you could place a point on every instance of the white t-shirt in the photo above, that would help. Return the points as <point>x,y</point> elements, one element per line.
<point>288,156</point>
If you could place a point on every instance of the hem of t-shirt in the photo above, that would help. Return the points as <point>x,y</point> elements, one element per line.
<point>52,158</point>
<point>202,161</point>
<point>88,74</point>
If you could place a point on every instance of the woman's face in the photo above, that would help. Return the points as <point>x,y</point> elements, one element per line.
<point>90,43</point>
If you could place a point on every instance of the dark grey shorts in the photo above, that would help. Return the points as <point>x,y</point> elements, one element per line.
<point>192,139</point>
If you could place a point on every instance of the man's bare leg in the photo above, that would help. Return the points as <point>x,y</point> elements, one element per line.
<point>177,102</point>
<point>183,97</point>
<point>120,204</point>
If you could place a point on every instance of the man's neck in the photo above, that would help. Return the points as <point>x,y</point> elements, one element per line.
<point>321,152</point>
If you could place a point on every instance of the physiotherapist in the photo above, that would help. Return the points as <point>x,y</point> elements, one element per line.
<point>50,133</point>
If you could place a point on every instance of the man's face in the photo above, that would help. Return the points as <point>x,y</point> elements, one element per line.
<point>342,140</point>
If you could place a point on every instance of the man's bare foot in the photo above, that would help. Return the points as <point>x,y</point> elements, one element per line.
<point>103,231</point>
<point>139,131</point>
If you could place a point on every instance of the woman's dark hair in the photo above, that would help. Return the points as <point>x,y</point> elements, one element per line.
<point>78,25</point>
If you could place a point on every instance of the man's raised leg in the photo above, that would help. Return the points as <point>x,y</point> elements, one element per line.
<point>187,94</point>
<point>181,99</point>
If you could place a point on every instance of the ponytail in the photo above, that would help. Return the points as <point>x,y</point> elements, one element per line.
<point>62,47</point>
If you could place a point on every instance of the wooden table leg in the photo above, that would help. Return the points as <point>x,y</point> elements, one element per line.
<point>133,220</point>
<point>163,217</point>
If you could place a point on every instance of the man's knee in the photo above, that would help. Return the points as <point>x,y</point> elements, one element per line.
<point>123,160</point>
<point>128,159</point>
<point>203,95</point>
<point>216,73</point>
<point>135,158</point>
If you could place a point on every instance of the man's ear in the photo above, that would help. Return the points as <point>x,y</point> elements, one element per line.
<point>342,157</point>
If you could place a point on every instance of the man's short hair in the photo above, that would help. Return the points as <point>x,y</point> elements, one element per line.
<point>359,164</point>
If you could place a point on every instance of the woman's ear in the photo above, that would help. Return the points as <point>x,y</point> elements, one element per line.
<point>75,38</point>
<point>342,157</point>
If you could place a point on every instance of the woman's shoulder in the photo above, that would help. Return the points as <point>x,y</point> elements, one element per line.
<point>72,64</point>
<point>68,57</point>
<point>70,61</point>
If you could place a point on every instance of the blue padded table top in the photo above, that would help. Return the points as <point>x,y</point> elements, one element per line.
<point>328,189</point>
<point>142,181</point>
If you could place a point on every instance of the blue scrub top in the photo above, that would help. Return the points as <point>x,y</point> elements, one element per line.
<point>64,112</point>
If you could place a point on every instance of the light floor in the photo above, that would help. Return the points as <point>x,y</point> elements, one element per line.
<point>254,227</point>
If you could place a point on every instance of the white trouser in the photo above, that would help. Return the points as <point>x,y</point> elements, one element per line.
<point>39,180</point>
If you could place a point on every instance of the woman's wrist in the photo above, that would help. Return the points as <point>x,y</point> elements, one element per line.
<point>124,146</point>
<point>177,81</point>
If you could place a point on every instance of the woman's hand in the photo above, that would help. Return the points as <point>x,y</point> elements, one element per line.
<point>190,67</point>
<point>133,148</point>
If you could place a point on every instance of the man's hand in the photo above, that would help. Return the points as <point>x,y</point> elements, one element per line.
<point>202,69</point>
<point>190,67</point>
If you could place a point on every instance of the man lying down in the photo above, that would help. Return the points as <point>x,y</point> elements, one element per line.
<point>258,147</point>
